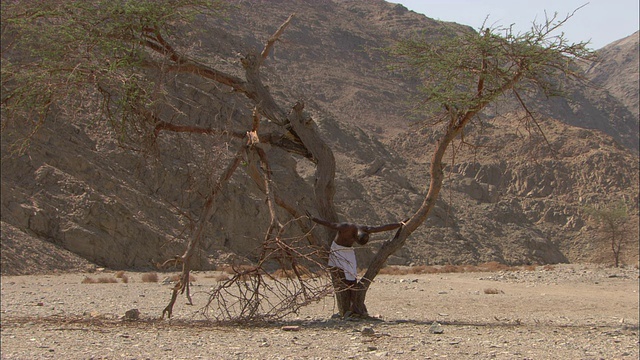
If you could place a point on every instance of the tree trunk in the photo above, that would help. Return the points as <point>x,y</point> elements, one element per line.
<point>324,187</point>
<point>324,190</point>
<point>391,246</point>
<point>341,291</point>
<point>615,247</point>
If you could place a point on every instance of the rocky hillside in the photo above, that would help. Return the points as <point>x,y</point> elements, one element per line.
<point>617,71</point>
<point>512,198</point>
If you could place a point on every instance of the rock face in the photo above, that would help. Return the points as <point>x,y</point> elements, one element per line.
<point>617,71</point>
<point>513,198</point>
<point>23,254</point>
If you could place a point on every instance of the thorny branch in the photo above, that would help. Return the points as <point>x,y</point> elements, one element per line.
<point>532,118</point>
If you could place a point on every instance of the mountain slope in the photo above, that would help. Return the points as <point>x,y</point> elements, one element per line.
<point>513,198</point>
<point>617,71</point>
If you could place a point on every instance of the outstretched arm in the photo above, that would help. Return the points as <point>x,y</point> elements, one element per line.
<point>375,229</point>
<point>324,222</point>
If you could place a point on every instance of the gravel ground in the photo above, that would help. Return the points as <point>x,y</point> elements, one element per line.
<point>568,312</point>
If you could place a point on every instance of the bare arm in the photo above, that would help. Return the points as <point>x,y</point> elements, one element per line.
<point>375,229</point>
<point>324,222</point>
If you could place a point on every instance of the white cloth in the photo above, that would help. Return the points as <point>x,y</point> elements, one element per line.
<point>344,258</point>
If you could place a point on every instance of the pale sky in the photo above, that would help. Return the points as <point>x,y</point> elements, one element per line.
<point>600,21</point>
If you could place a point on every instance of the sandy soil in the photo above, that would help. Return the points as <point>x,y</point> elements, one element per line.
<point>569,312</point>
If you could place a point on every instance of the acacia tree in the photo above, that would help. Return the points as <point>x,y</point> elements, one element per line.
<point>612,220</point>
<point>463,73</point>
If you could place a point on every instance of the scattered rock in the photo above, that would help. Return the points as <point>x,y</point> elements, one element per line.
<point>493,291</point>
<point>132,315</point>
<point>291,328</point>
<point>367,331</point>
<point>436,328</point>
<point>578,332</point>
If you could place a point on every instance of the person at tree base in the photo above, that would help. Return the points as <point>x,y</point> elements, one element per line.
<point>342,255</point>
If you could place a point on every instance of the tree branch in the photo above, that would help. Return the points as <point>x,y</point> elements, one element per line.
<point>325,166</point>
<point>194,68</point>
<point>205,217</point>
<point>533,119</point>
<point>269,45</point>
<point>294,146</point>
<point>165,126</point>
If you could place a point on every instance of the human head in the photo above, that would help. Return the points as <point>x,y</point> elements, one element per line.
<point>363,237</point>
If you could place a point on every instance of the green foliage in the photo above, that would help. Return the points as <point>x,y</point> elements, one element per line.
<point>76,57</point>
<point>612,220</point>
<point>462,72</point>
<point>611,216</point>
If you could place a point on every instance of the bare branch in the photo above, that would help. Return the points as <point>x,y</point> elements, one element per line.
<point>269,45</point>
<point>165,126</point>
<point>535,121</point>
<point>194,68</point>
<point>183,284</point>
<point>255,294</point>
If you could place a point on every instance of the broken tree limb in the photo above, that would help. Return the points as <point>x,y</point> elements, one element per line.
<point>207,212</point>
<point>272,40</point>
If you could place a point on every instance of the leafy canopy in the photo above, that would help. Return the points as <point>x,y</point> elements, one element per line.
<point>610,217</point>
<point>463,71</point>
<point>81,56</point>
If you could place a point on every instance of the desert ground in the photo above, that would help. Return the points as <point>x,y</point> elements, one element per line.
<point>576,311</point>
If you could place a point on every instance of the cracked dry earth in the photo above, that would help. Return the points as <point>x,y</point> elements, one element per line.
<point>568,312</point>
